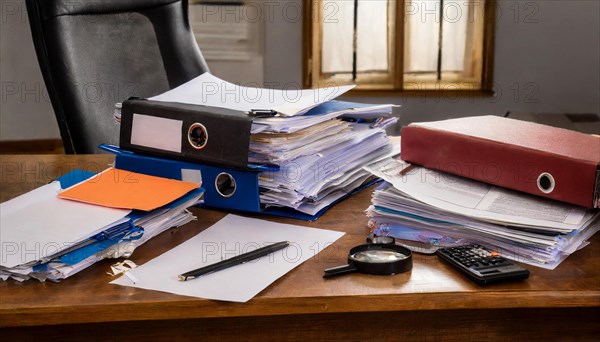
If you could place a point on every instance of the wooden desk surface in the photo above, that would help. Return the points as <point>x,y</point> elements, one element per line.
<point>433,296</point>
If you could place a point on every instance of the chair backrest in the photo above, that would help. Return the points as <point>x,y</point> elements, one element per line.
<point>94,54</point>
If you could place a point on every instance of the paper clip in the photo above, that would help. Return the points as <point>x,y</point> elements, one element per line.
<point>376,123</point>
<point>262,113</point>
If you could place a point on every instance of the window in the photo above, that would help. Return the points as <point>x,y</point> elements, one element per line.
<point>399,44</point>
<point>225,30</point>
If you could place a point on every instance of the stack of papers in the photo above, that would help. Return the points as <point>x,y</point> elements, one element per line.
<point>311,182</point>
<point>436,208</point>
<point>316,145</point>
<point>48,237</point>
<point>320,154</point>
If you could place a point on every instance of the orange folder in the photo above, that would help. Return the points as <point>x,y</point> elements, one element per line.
<point>129,190</point>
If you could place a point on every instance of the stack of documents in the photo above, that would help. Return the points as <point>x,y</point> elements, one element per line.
<point>46,236</point>
<point>320,154</point>
<point>311,147</point>
<point>327,170</point>
<point>436,208</point>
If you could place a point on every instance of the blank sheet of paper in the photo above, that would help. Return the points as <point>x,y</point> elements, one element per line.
<point>231,236</point>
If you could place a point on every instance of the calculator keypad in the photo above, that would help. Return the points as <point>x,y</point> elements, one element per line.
<point>482,264</point>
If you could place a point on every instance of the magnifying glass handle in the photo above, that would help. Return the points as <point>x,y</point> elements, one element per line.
<point>339,270</point>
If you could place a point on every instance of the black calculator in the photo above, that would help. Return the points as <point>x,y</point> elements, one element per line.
<point>482,264</point>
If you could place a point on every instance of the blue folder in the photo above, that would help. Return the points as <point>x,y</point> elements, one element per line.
<point>245,197</point>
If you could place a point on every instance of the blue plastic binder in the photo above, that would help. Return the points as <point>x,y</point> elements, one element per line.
<point>244,196</point>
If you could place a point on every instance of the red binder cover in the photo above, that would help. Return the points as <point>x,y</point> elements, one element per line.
<point>525,156</point>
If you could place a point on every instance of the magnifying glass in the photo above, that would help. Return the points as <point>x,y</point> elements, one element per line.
<point>374,258</point>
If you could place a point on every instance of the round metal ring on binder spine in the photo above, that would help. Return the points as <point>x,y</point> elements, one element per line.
<point>197,136</point>
<point>225,184</point>
<point>545,182</point>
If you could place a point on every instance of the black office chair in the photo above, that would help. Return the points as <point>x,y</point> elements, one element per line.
<point>94,54</point>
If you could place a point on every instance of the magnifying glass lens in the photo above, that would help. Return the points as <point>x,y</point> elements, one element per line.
<point>378,256</point>
<point>374,258</point>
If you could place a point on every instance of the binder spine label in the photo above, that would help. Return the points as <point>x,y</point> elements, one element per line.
<point>156,132</point>
<point>191,175</point>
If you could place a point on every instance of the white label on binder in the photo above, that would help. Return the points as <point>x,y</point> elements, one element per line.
<point>190,175</point>
<point>161,133</point>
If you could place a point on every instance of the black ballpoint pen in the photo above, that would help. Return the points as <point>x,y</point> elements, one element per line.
<point>236,260</point>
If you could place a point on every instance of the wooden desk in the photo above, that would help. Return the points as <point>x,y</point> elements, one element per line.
<point>432,302</point>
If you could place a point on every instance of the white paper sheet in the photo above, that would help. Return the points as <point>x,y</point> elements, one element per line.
<point>209,90</point>
<point>38,224</point>
<point>231,236</point>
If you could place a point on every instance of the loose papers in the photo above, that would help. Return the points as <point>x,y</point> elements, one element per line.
<point>230,236</point>
<point>208,90</point>
<point>49,238</point>
<point>38,224</point>
<point>433,207</point>
<point>312,181</point>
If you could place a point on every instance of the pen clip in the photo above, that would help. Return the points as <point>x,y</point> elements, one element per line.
<point>262,113</point>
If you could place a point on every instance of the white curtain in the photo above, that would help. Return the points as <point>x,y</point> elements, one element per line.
<point>338,30</point>
<point>423,29</point>
<point>372,32</point>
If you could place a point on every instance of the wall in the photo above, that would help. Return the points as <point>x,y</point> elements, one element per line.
<point>547,59</point>
<point>25,109</point>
